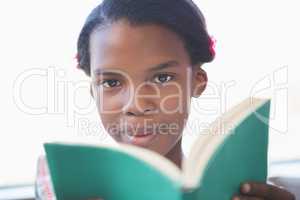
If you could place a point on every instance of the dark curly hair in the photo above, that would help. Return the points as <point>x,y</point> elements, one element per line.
<point>180,16</point>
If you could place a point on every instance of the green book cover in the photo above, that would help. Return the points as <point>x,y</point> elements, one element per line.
<point>231,151</point>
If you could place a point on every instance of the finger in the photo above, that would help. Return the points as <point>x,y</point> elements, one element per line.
<point>266,191</point>
<point>241,197</point>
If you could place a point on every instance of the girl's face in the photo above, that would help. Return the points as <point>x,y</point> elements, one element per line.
<point>142,81</point>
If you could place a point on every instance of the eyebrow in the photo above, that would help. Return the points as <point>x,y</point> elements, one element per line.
<point>98,72</point>
<point>165,65</point>
<point>171,63</point>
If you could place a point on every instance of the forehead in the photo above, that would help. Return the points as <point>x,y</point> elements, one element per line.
<point>124,45</point>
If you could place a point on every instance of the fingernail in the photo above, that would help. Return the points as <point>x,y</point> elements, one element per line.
<point>246,188</point>
<point>236,198</point>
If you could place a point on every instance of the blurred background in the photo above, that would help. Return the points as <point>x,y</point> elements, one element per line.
<point>45,98</point>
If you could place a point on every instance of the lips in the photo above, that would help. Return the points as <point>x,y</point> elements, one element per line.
<point>142,135</point>
<point>138,132</point>
<point>139,137</point>
<point>139,140</point>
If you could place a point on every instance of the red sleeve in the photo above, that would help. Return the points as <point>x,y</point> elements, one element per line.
<point>43,185</point>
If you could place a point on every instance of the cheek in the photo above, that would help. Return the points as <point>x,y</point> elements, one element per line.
<point>110,122</point>
<point>174,100</point>
<point>109,104</point>
<point>165,142</point>
<point>110,109</point>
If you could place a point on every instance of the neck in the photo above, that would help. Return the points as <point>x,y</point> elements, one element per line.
<point>176,154</point>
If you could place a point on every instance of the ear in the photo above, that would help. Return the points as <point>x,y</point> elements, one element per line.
<point>199,81</point>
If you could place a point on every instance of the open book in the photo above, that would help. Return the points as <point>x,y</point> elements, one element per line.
<point>231,151</point>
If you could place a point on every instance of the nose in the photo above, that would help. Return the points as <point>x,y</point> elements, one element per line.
<point>139,109</point>
<point>140,102</point>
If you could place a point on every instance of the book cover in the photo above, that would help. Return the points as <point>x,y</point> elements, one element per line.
<point>218,164</point>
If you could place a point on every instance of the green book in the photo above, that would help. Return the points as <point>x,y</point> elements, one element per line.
<point>231,151</point>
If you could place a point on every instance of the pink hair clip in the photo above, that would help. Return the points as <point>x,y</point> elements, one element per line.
<point>212,45</point>
<point>77,58</point>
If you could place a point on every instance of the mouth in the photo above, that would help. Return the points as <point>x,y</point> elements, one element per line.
<point>140,137</point>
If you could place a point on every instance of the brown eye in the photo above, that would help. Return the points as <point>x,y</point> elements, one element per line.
<point>111,83</point>
<point>162,78</point>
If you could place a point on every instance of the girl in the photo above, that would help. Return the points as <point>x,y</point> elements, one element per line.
<point>144,58</point>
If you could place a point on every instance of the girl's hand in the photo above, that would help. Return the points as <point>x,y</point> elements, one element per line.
<point>262,191</point>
